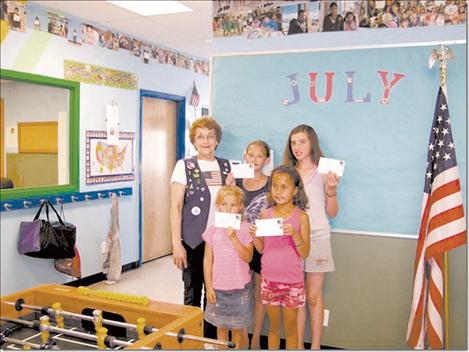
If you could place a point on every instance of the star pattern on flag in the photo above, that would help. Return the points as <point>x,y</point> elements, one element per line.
<point>441,155</point>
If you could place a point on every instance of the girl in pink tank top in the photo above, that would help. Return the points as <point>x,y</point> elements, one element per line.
<point>282,284</point>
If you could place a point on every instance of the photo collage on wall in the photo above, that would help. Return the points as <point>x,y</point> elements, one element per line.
<point>14,13</point>
<point>261,19</point>
<point>21,15</point>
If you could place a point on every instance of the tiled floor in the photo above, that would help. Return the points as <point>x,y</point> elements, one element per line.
<point>159,280</point>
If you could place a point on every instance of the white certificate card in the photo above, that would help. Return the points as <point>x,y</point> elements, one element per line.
<point>269,227</point>
<point>225,220</point>
<point>242,170</point>
<point>334,165</point>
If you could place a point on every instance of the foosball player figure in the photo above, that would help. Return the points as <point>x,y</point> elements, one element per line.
<point>101,334</point>
<point>44,329</point>
<point>59,319</point>
<point>97,319</point>
<point>141,327</point>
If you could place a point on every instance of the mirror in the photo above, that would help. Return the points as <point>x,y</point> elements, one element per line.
<point>39,118</point>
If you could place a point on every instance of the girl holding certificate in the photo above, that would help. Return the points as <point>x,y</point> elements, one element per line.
<point>226,270</point>
<point>255,192</point>
<point>303,152</point>
<point>282,283</point>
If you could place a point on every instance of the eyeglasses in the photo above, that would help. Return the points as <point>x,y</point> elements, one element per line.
<point>209,137</point>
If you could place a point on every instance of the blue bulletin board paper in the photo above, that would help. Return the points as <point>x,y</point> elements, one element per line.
<point>384,142</point>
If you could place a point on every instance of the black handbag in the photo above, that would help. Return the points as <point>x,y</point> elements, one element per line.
<point>57,238</point>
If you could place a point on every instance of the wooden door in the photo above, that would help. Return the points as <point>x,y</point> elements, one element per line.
<point>158,160</point>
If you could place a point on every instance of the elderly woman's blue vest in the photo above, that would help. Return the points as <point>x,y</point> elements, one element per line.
<point>197,200</point>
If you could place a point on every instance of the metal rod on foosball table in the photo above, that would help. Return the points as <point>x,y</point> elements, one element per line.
<point>51,311</point>
<point>83,335</point>
<point>22,343</point>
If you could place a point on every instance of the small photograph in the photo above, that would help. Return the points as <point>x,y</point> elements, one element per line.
<point>125,42</point>
<point>104,38</point>
<point>114,42</point>
<point>159,54</point>
<point>198,66</point>
<point>205,68</point>
<point>37,24</point>
<point>146,53</point>
<point>90,34</point>
<point>57,25</point>
<point>74,31</point>
<point>136,47</point>
<point>15,15</point>
<point>170,57</point>
<point>183,61</point>
<point>230,17</point>
<point>301,18</point>
<point>265,21</point>
<point>333,20</point>
<point>383,14</point>
<point>37,17</point>
<point>351,11</point>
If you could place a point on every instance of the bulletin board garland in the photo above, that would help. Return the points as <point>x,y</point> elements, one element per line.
<point>93,74</point>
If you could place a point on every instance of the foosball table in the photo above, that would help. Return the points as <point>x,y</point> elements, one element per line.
<point>64,317</point>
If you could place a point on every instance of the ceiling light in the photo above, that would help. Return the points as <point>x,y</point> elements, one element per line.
<point>151,8</point>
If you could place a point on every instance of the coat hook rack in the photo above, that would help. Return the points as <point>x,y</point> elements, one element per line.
<point>26,203</point>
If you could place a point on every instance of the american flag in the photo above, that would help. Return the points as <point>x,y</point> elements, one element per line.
<point>212,178</point>
<point>195,97</point>
<point>442,228</point>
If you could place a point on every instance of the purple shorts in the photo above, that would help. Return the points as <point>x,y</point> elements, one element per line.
<point>283,294</point>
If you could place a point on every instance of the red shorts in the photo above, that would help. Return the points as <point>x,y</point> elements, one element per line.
<point>283,294</point>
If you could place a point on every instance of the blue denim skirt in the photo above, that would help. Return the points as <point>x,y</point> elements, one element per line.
<point>233,309</point>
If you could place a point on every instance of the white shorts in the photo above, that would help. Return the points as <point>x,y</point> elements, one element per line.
<point>320,259</point>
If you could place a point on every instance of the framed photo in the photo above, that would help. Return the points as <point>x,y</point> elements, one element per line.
<point>109,163</point>
<point>204,111</point>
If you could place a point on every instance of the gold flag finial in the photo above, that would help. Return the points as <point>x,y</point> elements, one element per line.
<point>441,55</point>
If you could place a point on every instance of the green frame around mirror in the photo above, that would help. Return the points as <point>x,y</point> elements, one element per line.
<point>74,123</point>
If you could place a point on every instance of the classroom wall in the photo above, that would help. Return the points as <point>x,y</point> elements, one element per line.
<point>43,54</point>
<point>369,294</point>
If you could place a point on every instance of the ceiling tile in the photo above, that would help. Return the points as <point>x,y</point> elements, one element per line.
<point>199,5</point>
<point>196,25</point>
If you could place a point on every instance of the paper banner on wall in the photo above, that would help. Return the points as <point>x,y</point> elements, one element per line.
<point>112,124</point>
<point>93,74</point>
<point>109,163</point>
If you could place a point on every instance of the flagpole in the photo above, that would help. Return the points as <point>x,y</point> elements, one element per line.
<point>441,55</point>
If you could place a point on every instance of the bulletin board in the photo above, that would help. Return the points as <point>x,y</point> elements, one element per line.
<point>38,137</point>
<point>371,107</point>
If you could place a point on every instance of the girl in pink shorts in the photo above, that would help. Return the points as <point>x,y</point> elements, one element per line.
<point>282,283</point>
